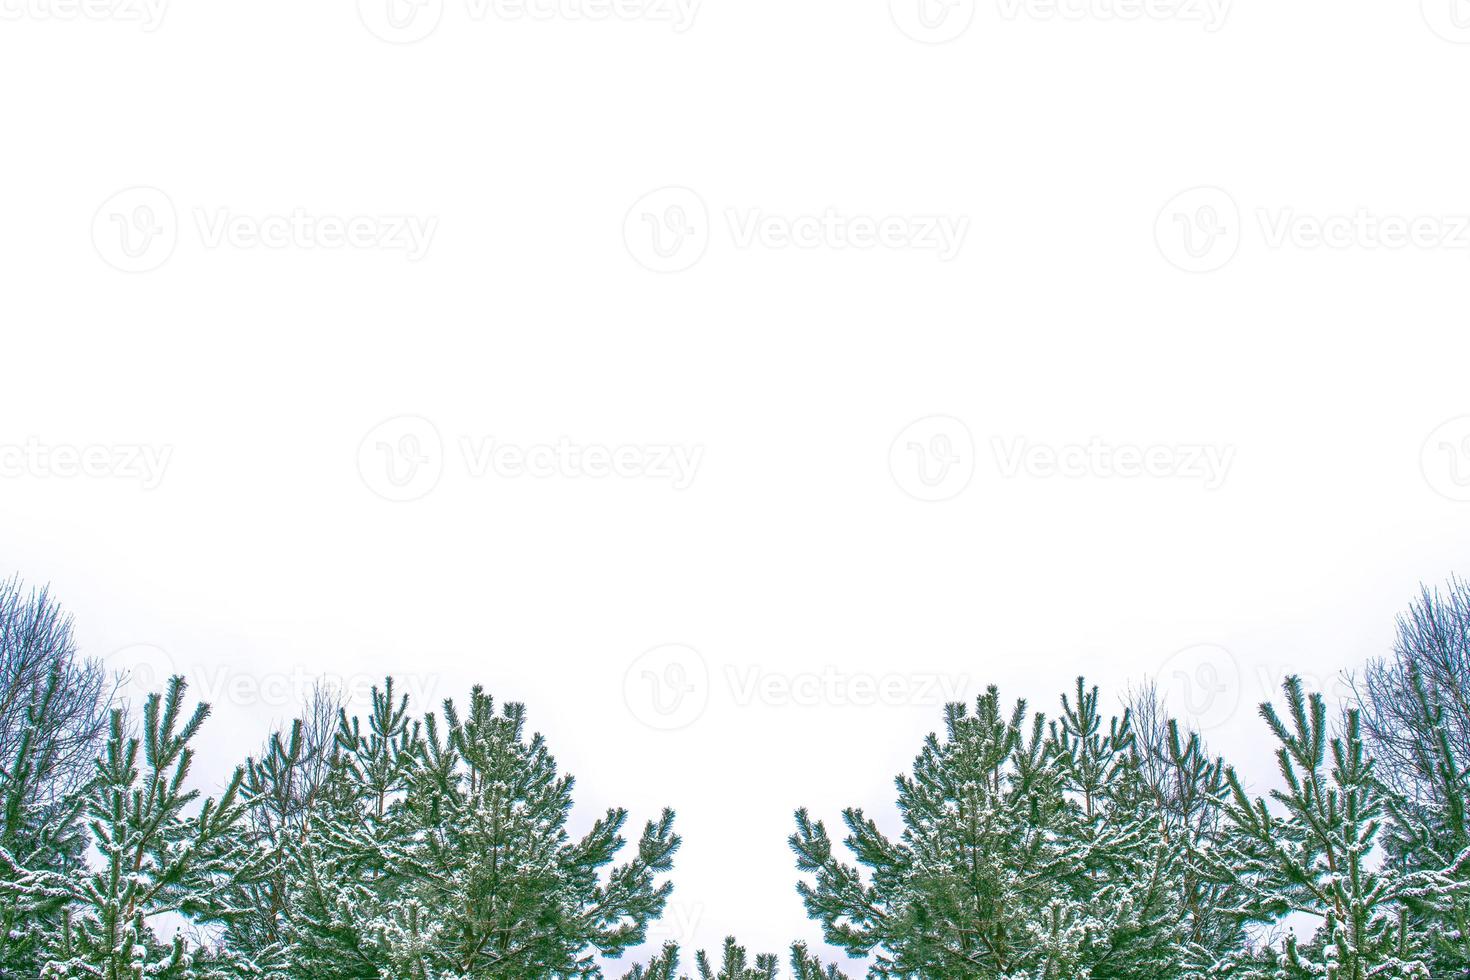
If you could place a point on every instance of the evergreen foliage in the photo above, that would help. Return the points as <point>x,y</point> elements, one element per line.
<point>1416,720</point>
<point>53,717</point>
<point>1086,845</point>
<point>158,854</point>
<point>1029,850</point>
<point>437,848</point>
<point>37,831</point>
<point>1314,854</point>
<point>734,964</point>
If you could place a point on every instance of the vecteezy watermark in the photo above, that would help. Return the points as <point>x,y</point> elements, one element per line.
<point>1208,464</point>
<point>1363,229</point>
<point>1210,14</point>
<point>138,230</point>
<point>147,14</point>
<point>941,234</point>
<point>1199,229</point>
<point>140,670</point>
<point>667,688</point>
<point>1202,686</point>
<point>669,230</point>
<point>933,459</point>
<point>1335,687</point>
<point>400,21</point>
<point>679,923</point>
<point>840,688</point>
<point>1445,459</point>
<point>407,233</point>
<point>932,21</point>
<point>1450,19</point>
<point>403,459</point>
<point>34,458</point>
<point>670,687</point>
<point>228,684</point>
<point>485,455</point>
<point>409,21</point>
<point>144,669</point>
<point>940,21</point>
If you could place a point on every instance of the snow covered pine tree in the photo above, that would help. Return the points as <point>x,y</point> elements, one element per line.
<point>1188,786</point>
<point>1317,858</point>
<point>1028,852</point>
<point>734,965</point>
<point>155,857</point>
<point>437,850</point>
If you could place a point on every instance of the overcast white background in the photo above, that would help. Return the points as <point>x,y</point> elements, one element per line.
<point>1177,233</point>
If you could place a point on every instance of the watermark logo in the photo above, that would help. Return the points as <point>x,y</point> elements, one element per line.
<point>1445,459</point>
<point>1199,230</point>
<point>1209,464</point>
<point>34,458</point>
<point>401,459</point>
<point>140,670</point>
<point>933,459</point>
<point>486,455</point>
<point>1210,14</point>
<point>668,230</point>
<point>1363,229</point>
<point>668,687</point>
<point>410,234</point>
<point>410,21</point>
<point>1450,19</point>
<point>678,14</point>
<point>1335,687</point>
<point>144,669</point>
<point>400,21</point>
<point>148,14</point>
<point>679,924</point>
<point>932,21</point>
<point>404,458</point>
<point>838,688</point>
<point>942,234</point>
<point>136,230</point>
<point>1201,686</point>
<point>1205,686</point>
<point>286,689</point>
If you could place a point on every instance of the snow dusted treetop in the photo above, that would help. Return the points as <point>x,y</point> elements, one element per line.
<point>734,965</point>
<point>1027,852</point>
<point>158,853</point>
<point>440,851</point>
<point>1317,855</point>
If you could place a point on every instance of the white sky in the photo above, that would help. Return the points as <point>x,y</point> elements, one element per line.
<point>264,554</point>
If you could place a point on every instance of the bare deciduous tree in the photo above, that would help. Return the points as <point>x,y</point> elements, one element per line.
<point>1433,645</point>
<point>36,645</point>
<point>53,717</point>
